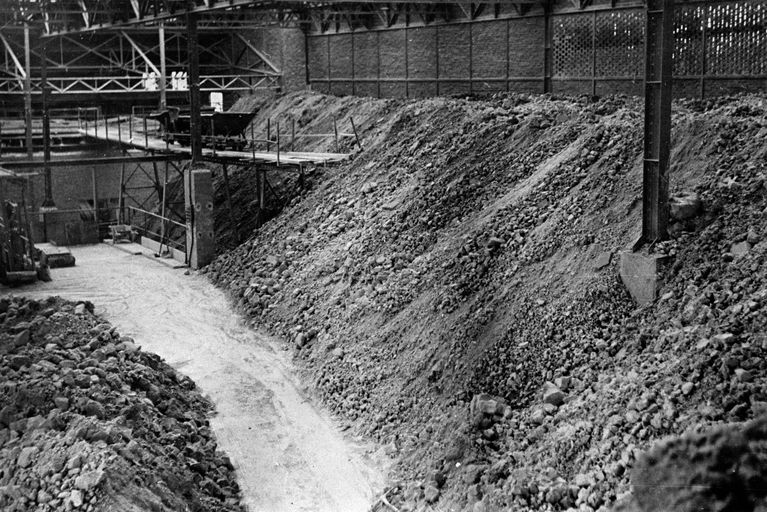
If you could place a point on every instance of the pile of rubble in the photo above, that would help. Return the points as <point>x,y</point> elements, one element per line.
<point>453,291</point>
<point>91,422</point>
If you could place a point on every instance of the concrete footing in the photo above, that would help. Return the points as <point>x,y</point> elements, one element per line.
<point>640,274</point>
<point>200,241</point>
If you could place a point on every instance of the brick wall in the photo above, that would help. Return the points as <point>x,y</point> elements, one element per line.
<point>597,51</point>
<point>285,48</point>
<point>479,57</point>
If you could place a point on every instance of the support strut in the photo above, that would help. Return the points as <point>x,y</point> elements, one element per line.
<point>657,122</point>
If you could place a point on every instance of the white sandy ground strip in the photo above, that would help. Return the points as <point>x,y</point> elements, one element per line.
<point>289,455</point>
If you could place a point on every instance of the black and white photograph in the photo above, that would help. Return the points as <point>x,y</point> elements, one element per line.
<point>376,256</point>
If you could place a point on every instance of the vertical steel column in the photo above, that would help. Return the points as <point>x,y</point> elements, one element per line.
<point>594,53</point>
<point>547,47</point>
<point>163,72</point>
<point>329,77</point>
<point>704,52</point>
<point>407,72</point>
<point>471,52</point>
<point>95,193</point>
<point>354,82</point>
<point>657,123</point>
<point>195,129</point>
<point>121,196</point>
<point>508,52</point>
<point>28,92</point>
<point>378,63</point>
<point>48,202</point>
<point>436,56</point>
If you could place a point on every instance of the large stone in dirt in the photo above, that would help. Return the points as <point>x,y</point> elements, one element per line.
<point>89,480</point>
<point>685,206</point>
<point>7,415</point>
<point>21,338</point>
<point>552,394</point>
<point>722,469</point>
<point>740,248</point>
<point>27,455</point>
<point>431,493</point>
<point>76,498</point>
<point>483,404</point>
<point>603,260</point>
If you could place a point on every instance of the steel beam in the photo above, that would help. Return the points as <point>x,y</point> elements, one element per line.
<point>105,160</point>
<point>163,70</point>
<point>48,201</point>
<point>195,130</point>
<point>657,123</point>
<point>28,93</point>
<point>143,55</point>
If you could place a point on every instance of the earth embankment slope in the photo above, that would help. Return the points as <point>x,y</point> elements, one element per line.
<point>453,293</point>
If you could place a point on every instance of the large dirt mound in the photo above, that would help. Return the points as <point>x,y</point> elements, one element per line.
<point>722,469</point>
<point>91,422</point>
<point>453,291</point>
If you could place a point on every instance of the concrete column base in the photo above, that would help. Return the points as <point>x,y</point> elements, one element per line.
<point>200,242</point>
<point>639,273</point>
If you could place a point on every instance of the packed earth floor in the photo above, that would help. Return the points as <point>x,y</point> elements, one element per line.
<point>256,417</point>
<point>452,295</point>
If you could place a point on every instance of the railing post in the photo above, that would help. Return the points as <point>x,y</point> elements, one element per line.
<point>268,134</point>
<point>253,141</point>
<point>213,134</point>
<point>356,136</point>
<point>335,132</point>
<point>278,143</point>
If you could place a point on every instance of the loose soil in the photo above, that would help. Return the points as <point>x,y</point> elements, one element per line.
<point>453,294</point>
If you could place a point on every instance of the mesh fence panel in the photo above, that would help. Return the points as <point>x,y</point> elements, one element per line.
<point>620,44</point>
<point>736,42</point>
<point>727,38</point>
<point>688,40</point>
<point>573,45</point>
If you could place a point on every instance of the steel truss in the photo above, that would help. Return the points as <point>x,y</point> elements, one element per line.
<point>119,62</point>
<point>164,184</point>
<point>69,16</point>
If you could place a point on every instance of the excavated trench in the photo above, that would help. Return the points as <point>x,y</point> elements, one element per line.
<point>288,454</point>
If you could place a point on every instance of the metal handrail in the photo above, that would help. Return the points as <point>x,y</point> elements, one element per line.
<point>162,237</point>
<point>152,214</point>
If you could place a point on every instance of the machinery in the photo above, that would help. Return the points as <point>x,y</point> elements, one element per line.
<point>21,262</point>
<point>219,129</point>
<point>17,252</point>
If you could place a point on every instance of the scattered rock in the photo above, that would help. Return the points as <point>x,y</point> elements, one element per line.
<point>740,248</point>
<point>603,260</point>
<point>552,394</point>
<point>27,456</point>
<point>685,206</point>
<point>431,494</point>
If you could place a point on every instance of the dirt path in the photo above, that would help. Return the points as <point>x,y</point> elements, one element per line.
<point>289,455</point>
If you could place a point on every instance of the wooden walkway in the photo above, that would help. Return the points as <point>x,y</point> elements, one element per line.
<point>117,133</point>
